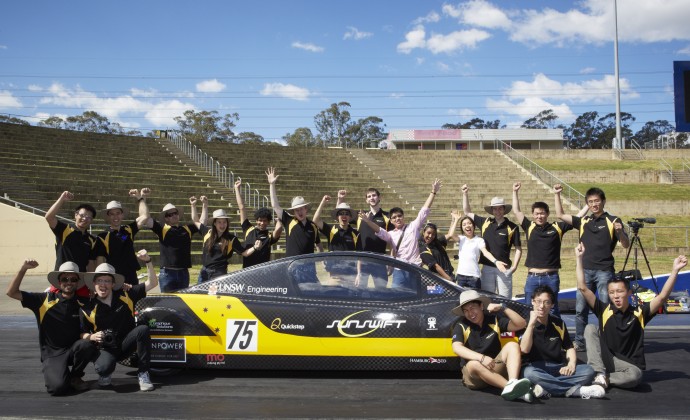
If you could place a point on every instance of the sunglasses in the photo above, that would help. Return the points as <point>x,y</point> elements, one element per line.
<point>343,213</point>
<point>171,214</point>
<point>69,280</point>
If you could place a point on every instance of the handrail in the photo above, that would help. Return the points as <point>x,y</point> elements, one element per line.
<point>686,164</point>
<point>636,147</point>
<point>571,194</point>
<point>36,210</point>
<point>667,167</point>
<point>221,173</point>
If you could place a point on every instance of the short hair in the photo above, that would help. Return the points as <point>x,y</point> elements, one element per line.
<point>442,240</point>
<point>618,278</point>
<point>596,191</point>
<point>396,210</point>
<point>544,289</point>
<point>540,205</point>
<point>370,190</point>
<point>87,207</point>
<point>263,213</point>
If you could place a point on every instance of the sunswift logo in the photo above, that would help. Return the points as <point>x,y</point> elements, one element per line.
<point>349,327</point>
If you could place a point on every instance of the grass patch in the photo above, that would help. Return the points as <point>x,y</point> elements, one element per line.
<point>639,192</point>
<point>604,165</point>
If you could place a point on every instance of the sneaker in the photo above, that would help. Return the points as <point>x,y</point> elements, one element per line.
<point>528,397</point>
<point>145,382</point>
<point>104,380</point>
<point>540,393</point>
<point>78,384</point>
<point>516,388</point>
<point>601,380</point>
<point>578,346</point>
<point>592,391</point>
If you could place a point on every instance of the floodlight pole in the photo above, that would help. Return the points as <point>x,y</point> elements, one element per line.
<point>618,142</point>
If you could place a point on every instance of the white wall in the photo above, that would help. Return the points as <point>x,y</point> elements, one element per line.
<point>25,235</point>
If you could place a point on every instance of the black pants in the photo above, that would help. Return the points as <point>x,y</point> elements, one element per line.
<point>56,370</point>
<point>138,339</point>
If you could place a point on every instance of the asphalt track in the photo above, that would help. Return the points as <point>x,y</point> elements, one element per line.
<point>258,394</point>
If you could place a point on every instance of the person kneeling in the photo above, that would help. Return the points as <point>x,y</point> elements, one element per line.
<point>108,320</point>
<point>476,339</point>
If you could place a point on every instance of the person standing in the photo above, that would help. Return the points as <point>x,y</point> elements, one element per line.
<point>599,232</point>
<point>470,247</point>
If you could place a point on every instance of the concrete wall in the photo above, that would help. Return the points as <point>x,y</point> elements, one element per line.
<point>25,236</point>
<point>648,208</point>
<point>632,176</point>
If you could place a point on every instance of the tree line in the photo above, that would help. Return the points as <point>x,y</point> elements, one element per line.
<point>334,126</point>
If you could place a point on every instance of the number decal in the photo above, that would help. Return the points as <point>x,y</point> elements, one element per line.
<point>242,335</point>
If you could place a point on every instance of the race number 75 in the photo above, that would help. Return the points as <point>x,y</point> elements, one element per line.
<point>242,335</point>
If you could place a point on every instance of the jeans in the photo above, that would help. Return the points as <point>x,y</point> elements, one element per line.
<point>138,339</point>
<point>206,274</point>
<point>468,281</point>
<point>170,280</point>
<point>496,282</point>
<point>548,376</point>
<point>624,375</point>
<point>596,281</point>
<point>534,281</point>
<point>56,367</point>
<point>404,280</point>
<point>378,273</point>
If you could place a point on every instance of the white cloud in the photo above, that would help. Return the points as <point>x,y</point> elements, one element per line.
<point>143,93</point>
<point>285,91</point>
<point>462,113</point>
<point>432,17</point>
<point>684,51</point>
<point>419,60</point>
<point>595,90</point>
<point>210,86</point>
<point>3,47</point>
<point>455,41</point>
<point>588,70</point>
<point>396,95</point>
<point>35,88</point>
<point>356,34</point>
<point>163,114</point>
<point>443,67</point>
<point>7,100</point>
<point>529,107</point>
<point>307,46</point>
<point>413,39</point>
<point>479,13</point>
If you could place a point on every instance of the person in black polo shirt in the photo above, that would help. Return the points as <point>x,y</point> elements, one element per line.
<point>108,320</point>
<point>476,339</point>
<point>175,242</point>
<point>499,234</point>
<point>542,345</point>
<point>73,242</point>
<point>599,232</point>
<point>116,245</point>
<point>57,315</point>
<point>301,234</point>
<point>543,247</point>
<point>371,242</point>
<point>340,237</point>
<point>616,348</point>
<point>432,250</point>
<point>258,231</point>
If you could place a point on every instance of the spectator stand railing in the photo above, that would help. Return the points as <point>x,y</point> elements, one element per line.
<point>35,210</point>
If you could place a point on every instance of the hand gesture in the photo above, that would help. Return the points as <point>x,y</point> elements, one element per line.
<point>557,189</point>
<point>143,256</point>
<point>193,200</point>
<point>502,267</point>
<point>494,307</point>
<point>516,186</point>
<point>271,175</point>
<point>238,183</point>
<point>29,264</point>
<point>465,189</point>
<point>342,194</point>
<point>363,214</point>
<point>436,185</point>
<point>680,262</point>
<point>532,318</point>
<point>618,226</point>
<point>455,215</point>
<point>66,196</point>
<point>258,244</point>
<point>326,198</point>
<point>203,199</point>
<point>134,193</point>
<point>579,250</point>
<point>126,287</point>
<point>145,192</point>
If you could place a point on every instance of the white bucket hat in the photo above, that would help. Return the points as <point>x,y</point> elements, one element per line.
<point>66,267</point>
<point>342,207</point>
<point>298,202</point>
<point>169,207</point>
<point>105,268</point>
<point>498,202</point>
<point>470,296</point>
<point>217,214</point>
<point>114,205</point>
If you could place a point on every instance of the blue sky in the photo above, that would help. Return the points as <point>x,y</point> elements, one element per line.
<point>416,64</point>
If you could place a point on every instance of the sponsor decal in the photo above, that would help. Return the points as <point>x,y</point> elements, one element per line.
<point>277,324</point>
<point>215,359</point>
<point>259,290</point>
<point>160,326</point>
<point>229,288</point>
<point>434,290</point>
<point>431,323</point>
<point>168,350</point>
<point>429,360</point>
<point>508,334</point>
<point>351,327</point>
<point>242,335</point>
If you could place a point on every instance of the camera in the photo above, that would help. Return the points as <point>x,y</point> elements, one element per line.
<point>638,222</point>
<point>109,339</point>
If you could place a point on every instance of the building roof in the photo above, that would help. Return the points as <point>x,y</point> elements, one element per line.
<point>504,134</point>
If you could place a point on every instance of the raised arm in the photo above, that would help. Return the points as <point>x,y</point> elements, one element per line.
<point>317,214</point>
<point>466,201</point>
<point>341,196</point>
<point>557,189</point>
<point>204,209</point>
<point>272,178</point>
<point>152,280</point>
<point>140,196</point>
<point>678,264</point>
<point>193,213</point>
<point>454,219</point>
<point>517,322</point>
<point>621,234</point>
<point>589,296</point>
<point>240,200</point>
<point>519,215</point>
<point>277,231</point>
<point>51,214</point>
<point>365,218</point>
<point>13,288</point>
<point>527,338</point>
<point>435,188</point>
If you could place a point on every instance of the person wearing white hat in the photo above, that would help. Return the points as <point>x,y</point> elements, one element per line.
<point>258,230</point>
<point>219,245</point>
<point>108,321</point>
<point>116,243</point>
<point>57,315</point>
<point>500,235</point>
<point>175,241</point>
<point>476,339</point>
<point>301,234</point>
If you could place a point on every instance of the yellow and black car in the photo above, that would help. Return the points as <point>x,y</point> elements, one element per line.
<point>320,311</point>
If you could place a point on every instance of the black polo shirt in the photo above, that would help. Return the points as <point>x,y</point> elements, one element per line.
<point>432,255</point>
<point>73,245</point>
<point>544,243</point>
<point>251,235</point>
<point>485,339</point>
<point>371,242</point>
<point>599,238</point>
<point>498,238</point>
<point>549,341</point>
<point>175,244</point>
<point>117,246</point>
<point>118,316</point>
<point>341,239</point>
<point>622,333</point>
<point>57,318</point>
<point>215,258</point>
<point>300,237</point>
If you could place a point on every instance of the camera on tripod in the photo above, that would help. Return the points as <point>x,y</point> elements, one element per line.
<point>638,222</point>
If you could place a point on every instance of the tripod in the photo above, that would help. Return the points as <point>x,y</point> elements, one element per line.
<point>636,243</point>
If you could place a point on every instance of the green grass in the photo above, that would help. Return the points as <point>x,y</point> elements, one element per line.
<point>639,192</point>
<point>604,165</point>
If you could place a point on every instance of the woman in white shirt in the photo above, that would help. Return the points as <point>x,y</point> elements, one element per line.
<point>468,274</point>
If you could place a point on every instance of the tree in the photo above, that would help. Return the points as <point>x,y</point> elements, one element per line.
<point>477,123</point>
<point>652,130</point>
<point>332,124</point>
<point>584,132</point>
<point>207,126</point>
<point>608,131</point>
<point>12,120</point>
<point>248,137</point>
<point>366,130</point>
<point>302,137</point>
<point>544,119</point>
<point>89,121</point>
<point>52,122</point>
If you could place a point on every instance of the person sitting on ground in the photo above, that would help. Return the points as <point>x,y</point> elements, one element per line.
<point>257,231</point>
<point>57,315</point>
<point>116,245</point>
<point>476,339</point>
<point>108,321</point>
<point>542,345</point>
<point>219,245</point>
<point>616,348</point>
